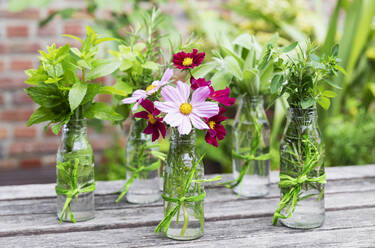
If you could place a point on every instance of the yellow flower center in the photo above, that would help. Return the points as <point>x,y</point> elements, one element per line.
<point>186,108</point>
<point>187,61</point>
<point>150,87</point>
<point>151,118</point>
<point>211,124</point>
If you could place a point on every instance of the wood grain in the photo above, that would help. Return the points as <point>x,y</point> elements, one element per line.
<point>27,216</point>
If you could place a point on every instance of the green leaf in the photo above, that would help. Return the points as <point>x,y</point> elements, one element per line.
<point>40,115</point>
<point>56,128</point>
<point>244,40</point>
<point>84,64</point>
<point>100,110</point>
<point>73,37</point>
<point>48,97</point>
<point>204,69</point>
<point>232,66</point>
<point>329,93</point>
<point>102,68</point>
<point>92,91</point>
<point>307,103</point>
<point>335,50</point>
<point>276,83</point>
<point>126,65</point>
<point>290,47</point>
<point>109,90</point>
<point>151,66</point>
<point>324,102</point>
<point>76,95</point>
<point>18,5</point>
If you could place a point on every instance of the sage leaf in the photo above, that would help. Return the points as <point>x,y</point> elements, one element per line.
<point>100,110</point>
<point>290,47</point>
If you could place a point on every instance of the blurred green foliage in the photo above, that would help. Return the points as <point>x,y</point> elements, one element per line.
<point>347,127</point>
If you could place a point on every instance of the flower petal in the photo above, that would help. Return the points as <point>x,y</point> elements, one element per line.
<point>185,125</point>
<point>198,122</point>
<point>184,91</point>
<point>167,107</point>
<point>170,94</point>
<point>147,105</point>
<point>205,109</point>
<point>162,128</point>
<point>135,106</point>
<point>200,95</point>
<point>173,119</point>
<point>149,129</point>
<point>142,114</point>
<point>167,76</point>
<point>211,140</point>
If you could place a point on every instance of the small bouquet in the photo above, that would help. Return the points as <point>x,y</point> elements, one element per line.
<point>63,86</point>
<point>185,108</point>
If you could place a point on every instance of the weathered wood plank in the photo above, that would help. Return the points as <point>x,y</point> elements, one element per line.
<point>28,224</point>
<point>338,231</point>
<point>47,190</point>
<point>47,205</point>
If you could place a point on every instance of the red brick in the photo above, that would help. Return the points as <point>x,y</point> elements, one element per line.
<point>12,83</point>
<point>49,160</point>
<point>31,163</point>
<point>22,148</point>
<point>1,66</point>
<point>1,98</point>
<point>100,144</point>
<point>21,98</point>
<point>24,132</point>
<point>48,30</point>
<point>104,98</point>
<point>19,47</point>
<point>21,65</point>
<point>26,14</point>
<point>6,164</point>
<point>74,29</point>
<point>16,114</point>
<point>17,31</point>
<point>3,133</point>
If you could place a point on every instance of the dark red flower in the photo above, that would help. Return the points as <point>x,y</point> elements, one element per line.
<point>155,125</point>
<point>184,60</point>
<point>216,131</point>
<point>222,96</point>
<point>200,82</point>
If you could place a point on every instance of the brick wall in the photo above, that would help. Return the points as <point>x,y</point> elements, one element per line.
<point>20,40</point>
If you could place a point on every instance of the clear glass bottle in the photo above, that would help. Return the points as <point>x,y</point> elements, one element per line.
<point>146,186</point>
<point>188,223</point>
<point>251,134</point>
<point>302,148</point>
<point>75,171</point>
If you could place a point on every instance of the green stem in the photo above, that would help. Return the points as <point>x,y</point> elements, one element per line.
<point>186,220</point>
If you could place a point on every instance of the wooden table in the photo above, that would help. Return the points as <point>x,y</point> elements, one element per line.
<point>28,218</point>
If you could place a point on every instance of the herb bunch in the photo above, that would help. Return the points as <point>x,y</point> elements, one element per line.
<point>63,85</point>
<point>305,77</point>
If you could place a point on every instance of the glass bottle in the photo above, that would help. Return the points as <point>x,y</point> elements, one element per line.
<point>146,186</point>
<point>251,134</point>
<point>302,157</point>
<point>75,173</point>
<point>188,222</point>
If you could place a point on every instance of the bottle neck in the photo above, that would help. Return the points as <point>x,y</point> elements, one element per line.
<point>182,140</point>
<point>252,103</point>
<point>75,127</point>
<point>305,117</point>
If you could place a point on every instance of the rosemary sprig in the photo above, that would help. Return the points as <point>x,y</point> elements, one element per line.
<point>71,172</point>
<point>295,184</point>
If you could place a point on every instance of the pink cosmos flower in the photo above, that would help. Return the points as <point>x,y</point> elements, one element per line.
<point>155,124</point>
<point>140,95</point>
<point>221,96</point>
<point>183,113</point>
